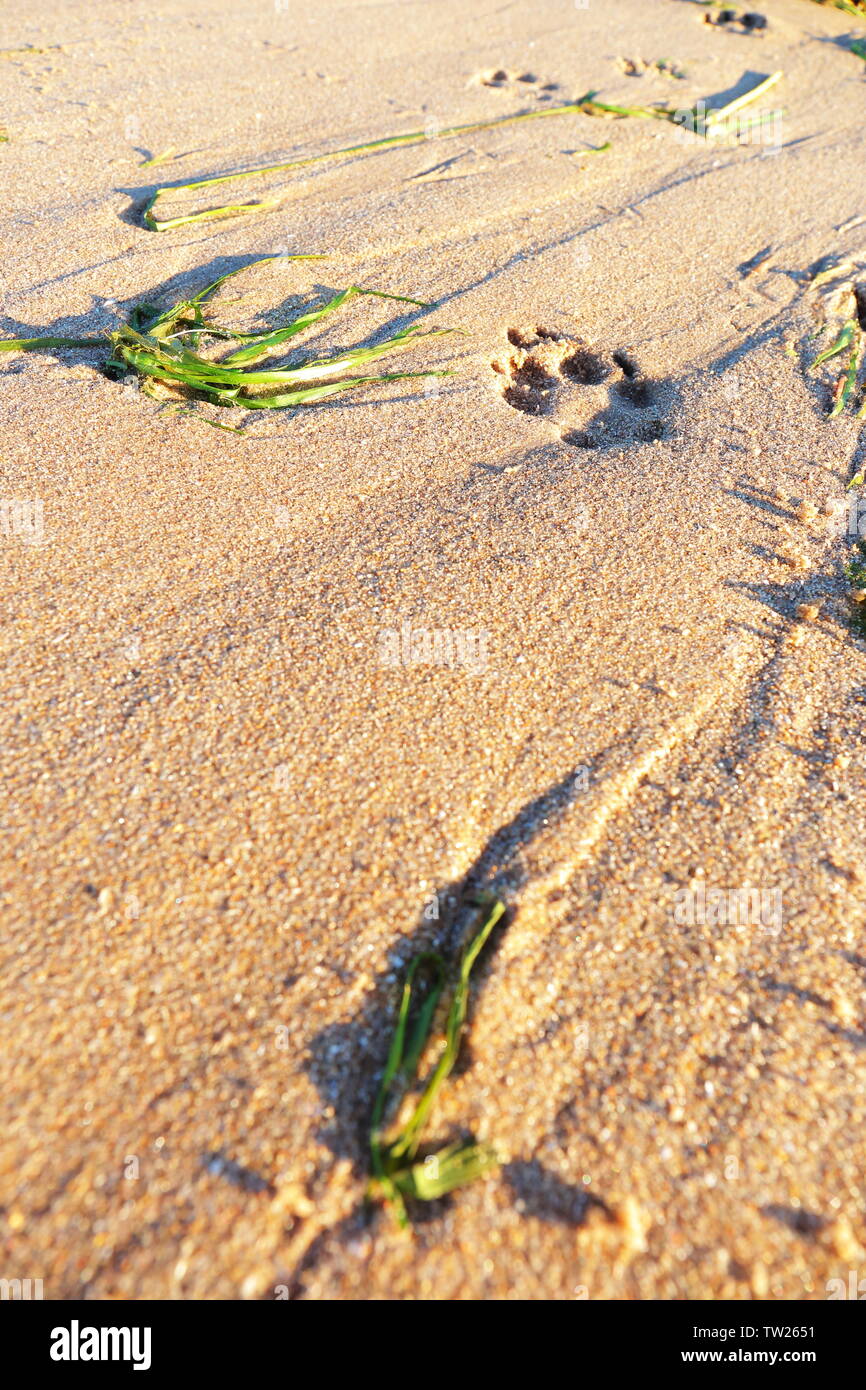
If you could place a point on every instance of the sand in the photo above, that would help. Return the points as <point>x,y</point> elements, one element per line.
<point>230,819</point>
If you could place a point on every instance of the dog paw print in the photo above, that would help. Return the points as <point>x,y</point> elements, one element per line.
<point>742,21</point>
<point>595,400</point>
<point>504,79</point>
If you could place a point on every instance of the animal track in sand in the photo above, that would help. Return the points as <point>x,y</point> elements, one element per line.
<point>505,80</point>
<point>745,21</point>
<point>596,399</point>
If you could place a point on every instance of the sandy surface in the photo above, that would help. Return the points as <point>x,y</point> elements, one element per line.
<point>225,816</point>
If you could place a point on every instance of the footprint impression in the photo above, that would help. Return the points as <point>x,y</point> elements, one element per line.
<point>596,400</point>
<point>504,79</point>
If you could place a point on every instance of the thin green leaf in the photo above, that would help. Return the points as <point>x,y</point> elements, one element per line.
<point>36,344</point>
<point>585,105</point>
<point>159,158</point>
<point>719,113</point>
<point>398,1064</point>
<point>368,147</point>
<point>407,1143</point>
<point>177,364</point>
<point>853,7</point>
<point>214,424</point>
<point>265,344</point>
<point>319,393</point>
<point>396,1174</point>
<point>850,379</point>
<point>446,1170</point>
<point>230,210</point>
<point>842,342</point>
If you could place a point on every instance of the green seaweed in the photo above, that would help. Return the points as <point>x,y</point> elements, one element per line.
<point>854,7</point>
<point>158,224</point>
<point>844,340</point>
<point>160,347</point>
<point>850,338</point>
<point>155,160</point>
<point>849,381</point>
<point>397,1173</point>
<point>856,572</point>
<point>585,105</point>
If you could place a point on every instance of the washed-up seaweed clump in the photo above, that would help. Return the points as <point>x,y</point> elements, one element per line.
<point>398,1173</point>
<point>701,120</point>
<point>162,349</point>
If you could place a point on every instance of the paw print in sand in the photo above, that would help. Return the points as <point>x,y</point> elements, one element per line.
<point>522,83</point>
<point>596,400</point>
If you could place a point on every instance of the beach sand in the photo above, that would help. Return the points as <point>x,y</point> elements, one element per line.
<point>235,806</point>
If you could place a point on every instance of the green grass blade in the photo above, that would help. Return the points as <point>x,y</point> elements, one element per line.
<point>446,1170</point>
<point>319,393</point>
<point>398,1063</point>
<point>719,113</point>
<point>407,1143</point>
<point>36,344</point>
<point>229,210</point>
<point>852,7</point>
<point>159,158</point>
<point>585,105</point>
<point>843,341</point>
<point>606,108</point>
<point>266,343</point>
<point>850,379</point>
<point>158,224</point>
<point>350,361</point>
<point>189,310</point>
<point>263,344</point>
<point>403,1066</point>
<point>263,260</point>
<point>177,364</point>
<point>395,1174</point>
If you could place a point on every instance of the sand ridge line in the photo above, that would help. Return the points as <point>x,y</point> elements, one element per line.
<point>577,820</point>
<point>609,797</point>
